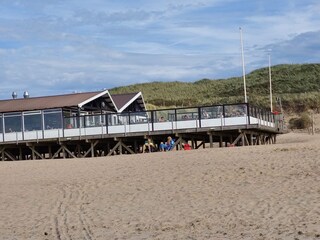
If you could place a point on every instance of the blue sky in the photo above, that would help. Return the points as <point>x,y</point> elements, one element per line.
<point>61,46</point>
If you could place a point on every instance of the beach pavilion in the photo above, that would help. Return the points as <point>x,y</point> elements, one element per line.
<point>19,116</point>
<point>94,124</point>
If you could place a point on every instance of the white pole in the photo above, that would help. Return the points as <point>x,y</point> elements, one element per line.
<point>270,83</point>
<point>243,68</point>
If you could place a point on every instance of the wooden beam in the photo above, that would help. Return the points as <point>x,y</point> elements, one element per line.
<point>251,139</point>
<point>135,146</point>
<point>77,151</point>
<point>237,139</point>
<point>201,143</point>
<point>20,153</point>
<point>246,139</point>
<point>178,143</point>
<point>120,147</point>
<point>230,139</point>
<point>9,155</point>
<point>220,141</point>
<point>33,156</point>
<point>57,153</point>
<point>2,153</point>
<point>107,148</point>
<point>114,148</point>
<point>91,149</point>
<point>35,152</point>
<point>127,148</point>
<point>210,139</point>
<point>258,139</point>
<point>63,152</point>
<point>68,151</point>
<point>242,140</point>
<point>50,152</point>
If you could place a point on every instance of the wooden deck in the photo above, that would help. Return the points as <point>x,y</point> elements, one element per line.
<point>127,138</point>
<point>93,145</point>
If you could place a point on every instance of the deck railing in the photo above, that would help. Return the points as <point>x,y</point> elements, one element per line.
<point>216,116</point>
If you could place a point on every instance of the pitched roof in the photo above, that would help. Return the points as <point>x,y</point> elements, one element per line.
<point>118,101</point>
<point>50,102</point>
<point>122,101</point>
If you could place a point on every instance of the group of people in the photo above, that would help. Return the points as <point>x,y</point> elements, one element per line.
<point>168,145</point>
<point>163,146</point>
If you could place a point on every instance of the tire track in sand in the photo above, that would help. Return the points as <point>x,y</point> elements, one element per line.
<point>69,219</point>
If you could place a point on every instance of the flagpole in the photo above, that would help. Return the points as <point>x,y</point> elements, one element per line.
<point>270,83</point>
<point>243,68</point>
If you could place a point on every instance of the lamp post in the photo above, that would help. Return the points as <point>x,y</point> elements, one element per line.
<point>270,83</point>
<point>243,67</point>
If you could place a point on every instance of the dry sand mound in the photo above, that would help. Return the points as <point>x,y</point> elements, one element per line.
<point>258,192</point>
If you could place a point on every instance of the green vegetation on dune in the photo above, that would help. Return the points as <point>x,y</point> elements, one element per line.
<point>297,85</point>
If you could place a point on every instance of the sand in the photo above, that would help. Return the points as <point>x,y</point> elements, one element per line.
<point>255,192</point>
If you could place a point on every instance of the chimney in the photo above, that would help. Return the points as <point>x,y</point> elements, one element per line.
<point>26,94</point>
<point>14,95</point>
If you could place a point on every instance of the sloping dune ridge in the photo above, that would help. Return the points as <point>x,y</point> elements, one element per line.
<point>255,192</point>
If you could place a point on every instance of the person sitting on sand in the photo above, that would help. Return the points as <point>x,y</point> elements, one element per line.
<point>168,146</point>
<point>186,146</point>
<point>148,145</point>
<point>162,147</point>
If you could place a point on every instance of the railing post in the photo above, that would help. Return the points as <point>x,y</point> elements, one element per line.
<point>62,123</point>
<point>199,116</point>
<point>248,113</point>
<point>63,118</point>
<point>43,127</point>
<point>152,121</point>
<point>223,116</point>
<point>22,125</point>
<point>79,127</point>
<point>101,123</point>
<point>175,119</point>
<point>107,123</point>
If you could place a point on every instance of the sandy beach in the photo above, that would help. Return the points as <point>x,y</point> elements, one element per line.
<point>254,192</point>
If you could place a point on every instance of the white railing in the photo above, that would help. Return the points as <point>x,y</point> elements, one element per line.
<point>134,128</point>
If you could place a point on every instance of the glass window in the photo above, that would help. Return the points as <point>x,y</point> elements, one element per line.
<point>164,115</point>
<point>139,117</point>
<point>95,120</point>
<point>70,122</point>
<point>118,119</point>
<point>52,120</point>
<point>32,122</point>
<point>112,119</point>
<point>211,112</point>
<point>12,122</point>
<point>235,110</point>
<point>187,114</point>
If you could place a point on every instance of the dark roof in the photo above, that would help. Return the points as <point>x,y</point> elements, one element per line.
<point>48,102</point>
<point>122,99</point>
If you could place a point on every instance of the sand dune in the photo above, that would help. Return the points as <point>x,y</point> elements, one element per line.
<point>256,192</point>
